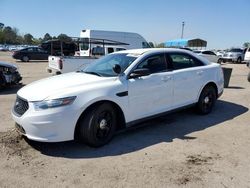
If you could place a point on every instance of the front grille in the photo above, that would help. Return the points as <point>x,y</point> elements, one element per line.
<point>21,106</point>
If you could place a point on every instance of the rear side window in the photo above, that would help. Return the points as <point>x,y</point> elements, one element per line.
<point>30,49</point>
<point>145,45</point>
<point>208,53</point>
<point>98,50</point>
<point>182,61</point>
<point>110,50</point>
<point>154,63</point>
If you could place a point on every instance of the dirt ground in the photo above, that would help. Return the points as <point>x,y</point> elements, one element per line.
<point>180,150</point>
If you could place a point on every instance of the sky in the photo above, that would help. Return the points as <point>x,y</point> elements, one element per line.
<point>222,23</point>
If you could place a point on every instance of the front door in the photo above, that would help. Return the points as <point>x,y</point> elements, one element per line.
<point>150,95</point>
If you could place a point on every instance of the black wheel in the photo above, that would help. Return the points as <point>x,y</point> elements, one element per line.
<point>207,100</point>
<point>25,59</point>
<point>248,77</point>
<point>97,127</point>
<point>238,60</point>
<point>219,61</point>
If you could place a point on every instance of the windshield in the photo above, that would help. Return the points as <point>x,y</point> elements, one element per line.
<point>104,66</point>
<point>236,50</point>
<point>197,51</point>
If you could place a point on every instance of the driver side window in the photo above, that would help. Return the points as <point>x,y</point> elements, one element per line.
<point>154,63</point>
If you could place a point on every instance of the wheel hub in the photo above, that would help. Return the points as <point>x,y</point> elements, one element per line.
<point>206,100</point>
<point>103,124</point>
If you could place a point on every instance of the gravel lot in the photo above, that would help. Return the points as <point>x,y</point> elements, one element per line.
<point>180,150</point>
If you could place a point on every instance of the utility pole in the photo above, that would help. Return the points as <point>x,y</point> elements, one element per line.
<point>182,30</point>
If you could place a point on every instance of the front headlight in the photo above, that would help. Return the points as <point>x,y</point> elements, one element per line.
<point>53,103</point>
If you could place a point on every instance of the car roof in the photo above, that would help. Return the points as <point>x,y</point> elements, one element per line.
<point>145,50</point>
<point>5,64</point>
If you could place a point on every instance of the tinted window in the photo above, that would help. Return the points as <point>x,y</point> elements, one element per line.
<point>145,45</point>
<point>30,49</point>
<point>98,50</point>
<point>181,61</point>
<point>236,50</point>
<point>120,49</point>
<point>208,53</point>
<point>110,50</point>
<point>154,63</point>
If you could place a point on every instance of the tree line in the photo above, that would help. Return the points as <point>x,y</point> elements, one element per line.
<point>10,35</point>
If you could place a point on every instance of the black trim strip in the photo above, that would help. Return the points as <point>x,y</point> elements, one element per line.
<point>122,94</point>
<point>138,121</point>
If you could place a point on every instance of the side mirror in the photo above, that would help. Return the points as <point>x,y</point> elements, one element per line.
<point>117,69</point>
<point>139,72</point>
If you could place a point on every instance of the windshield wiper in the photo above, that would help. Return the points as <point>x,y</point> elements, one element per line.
<point>94,73</point>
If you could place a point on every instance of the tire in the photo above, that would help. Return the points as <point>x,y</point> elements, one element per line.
<point>206,100</point>
<point>248,77</point>
<point>238,60</point>
<point>98,125</point>
<point>25,59</point>
<point>219,61</point>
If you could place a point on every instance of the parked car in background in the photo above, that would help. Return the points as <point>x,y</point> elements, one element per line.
<point>235,55</point>
<point>9,74</point>
<point>247,55</point>
<point>209,55</point>
<point>248,65</point>
<point>31,53</point>
<point>3,48</point>
<point>220,53</point>
<point>115,92</point>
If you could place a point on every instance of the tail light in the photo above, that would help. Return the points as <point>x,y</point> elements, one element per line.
<point>60,63</point>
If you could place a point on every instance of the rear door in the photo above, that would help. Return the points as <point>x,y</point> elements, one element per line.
<point>152,94</point>
<point>42,54</point>
<point>211,56</point>
<point>188,78</point>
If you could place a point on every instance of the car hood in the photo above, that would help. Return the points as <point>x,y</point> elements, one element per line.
<point>9,65</point>
<point>42,89</point>
<point>232,53</point>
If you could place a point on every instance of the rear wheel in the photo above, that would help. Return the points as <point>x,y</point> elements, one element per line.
<point>25,59</point>
<point>207,100</point>
<point>248,77</point>
<point>97,127</point>
<point>238,60</point>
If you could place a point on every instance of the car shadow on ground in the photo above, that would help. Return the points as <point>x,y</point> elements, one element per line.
<point>32,61</point>
<point>164,129</point>
<point>11,89</point>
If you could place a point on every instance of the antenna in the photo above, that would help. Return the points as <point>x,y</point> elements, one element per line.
<point>182,30</point>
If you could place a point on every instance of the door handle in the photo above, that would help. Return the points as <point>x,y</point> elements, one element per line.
<point>166,78</point>
<point>200,72</point>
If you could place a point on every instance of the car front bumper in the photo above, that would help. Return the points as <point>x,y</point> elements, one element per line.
<point>228,59</point>
<point>51,125</point>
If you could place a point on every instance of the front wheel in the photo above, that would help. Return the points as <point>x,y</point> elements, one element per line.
<point>25,59</point>
<point>97,127</point>
<point>248,77</point>
<point>238,60</point>
<point>206,100</point>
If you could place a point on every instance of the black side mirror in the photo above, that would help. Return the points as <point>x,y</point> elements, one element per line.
<point>117,69</point>
<point>139,72</point>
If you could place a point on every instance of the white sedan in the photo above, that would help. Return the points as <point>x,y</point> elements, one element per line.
<point>209,55</point>
<point>117,91</point>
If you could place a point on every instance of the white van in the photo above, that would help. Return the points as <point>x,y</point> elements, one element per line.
<point>92,45</point>
<point>247,55</point>
<point>130,40</point>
